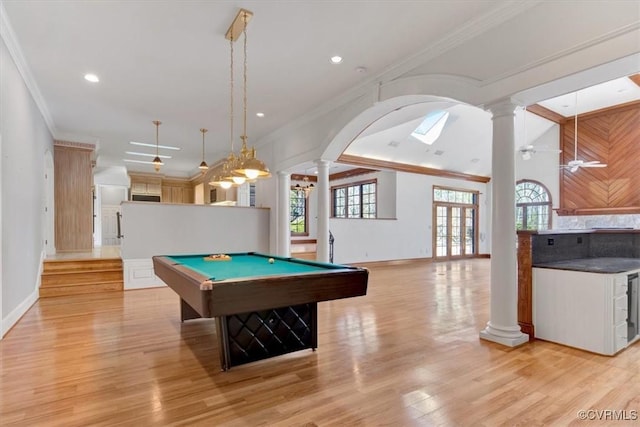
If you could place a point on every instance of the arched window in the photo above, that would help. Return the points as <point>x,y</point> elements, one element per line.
<point>533,206</point>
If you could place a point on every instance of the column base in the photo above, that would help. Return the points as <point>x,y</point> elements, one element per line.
<point>509,336</point>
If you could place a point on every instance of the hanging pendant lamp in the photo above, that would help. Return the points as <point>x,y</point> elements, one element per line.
<point>156,160</point>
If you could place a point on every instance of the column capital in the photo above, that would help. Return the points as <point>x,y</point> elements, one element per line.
<point>322,162</point>
<point>284,173</point>
<point>502,107</point>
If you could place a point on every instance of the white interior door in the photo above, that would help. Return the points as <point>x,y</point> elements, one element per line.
<point>110,225</point>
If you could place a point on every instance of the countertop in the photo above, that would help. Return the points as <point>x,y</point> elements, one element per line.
<point>594,265</point>
<point>597,230</point>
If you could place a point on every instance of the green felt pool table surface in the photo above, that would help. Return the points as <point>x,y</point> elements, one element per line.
<point>243,265</point>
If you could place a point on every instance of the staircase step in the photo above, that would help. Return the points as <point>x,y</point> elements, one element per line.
<point>52,266</point>
<point>74,278</point>
<point>59,291</point>
<point>304,255</point>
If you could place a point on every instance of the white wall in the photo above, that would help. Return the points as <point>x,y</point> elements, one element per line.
<point>112,194</point>
<point>25,138</point>
<point>186,229</point>
<point>410,235</point>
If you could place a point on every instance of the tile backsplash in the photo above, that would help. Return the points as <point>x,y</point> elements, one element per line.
<point>580,222</point>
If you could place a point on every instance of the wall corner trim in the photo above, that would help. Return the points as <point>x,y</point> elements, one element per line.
<point>17,313</point>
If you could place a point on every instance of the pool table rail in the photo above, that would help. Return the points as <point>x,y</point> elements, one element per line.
<point>241,295</point>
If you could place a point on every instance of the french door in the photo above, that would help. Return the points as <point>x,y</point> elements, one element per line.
<point>455,227</point>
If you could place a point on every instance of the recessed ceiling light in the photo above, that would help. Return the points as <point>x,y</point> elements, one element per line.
<point>135,153</point>
<point>144,144</point>
<point>91,78</point>
<point>336,59</point>
<point>260,115</point>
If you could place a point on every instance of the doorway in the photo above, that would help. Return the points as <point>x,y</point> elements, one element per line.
<point>108,199</point>
<point>455,221</point>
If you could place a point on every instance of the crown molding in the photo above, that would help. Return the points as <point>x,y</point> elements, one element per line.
<point>11,41</point>
<point>76,145</point>
<point>372,86</point>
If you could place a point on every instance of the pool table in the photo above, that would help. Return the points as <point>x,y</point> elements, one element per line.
<point>264,305</point>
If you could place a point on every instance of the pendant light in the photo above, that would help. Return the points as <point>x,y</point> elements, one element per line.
<point>248,164</point>
<point>203,166</point>
<point>228,175</point>
<point>156,161</point>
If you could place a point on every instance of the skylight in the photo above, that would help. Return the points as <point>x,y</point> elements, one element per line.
<point>431,127</point>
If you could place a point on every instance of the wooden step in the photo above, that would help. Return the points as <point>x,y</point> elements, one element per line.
<point>81,265</point>
<point>58,291</point>
<point>304,255</point>
<point>81,276</point>
<point>74,278</point>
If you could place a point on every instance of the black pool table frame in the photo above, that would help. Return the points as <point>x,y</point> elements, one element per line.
<point>262,316</point>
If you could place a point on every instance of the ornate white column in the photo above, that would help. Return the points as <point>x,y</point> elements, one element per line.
<point>503,325</point>
<point>322,247</point>
<point>284,213</point>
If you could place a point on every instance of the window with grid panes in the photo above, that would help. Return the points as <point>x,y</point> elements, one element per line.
<point>298,212</point>
<point>533,206</point>
<point>355,200</point>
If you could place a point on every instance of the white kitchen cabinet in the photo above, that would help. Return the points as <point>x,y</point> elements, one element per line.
<point>580,309</point>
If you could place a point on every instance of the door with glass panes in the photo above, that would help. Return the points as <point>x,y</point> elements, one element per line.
<point>455,219</point>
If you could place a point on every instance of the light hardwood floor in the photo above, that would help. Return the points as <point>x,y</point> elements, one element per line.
<point>406,354</point>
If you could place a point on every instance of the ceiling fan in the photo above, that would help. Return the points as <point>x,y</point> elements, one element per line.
<point>526,151</point>
<point>575,164</point>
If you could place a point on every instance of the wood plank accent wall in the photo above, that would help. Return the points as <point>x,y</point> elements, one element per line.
<point>73,198</point>
<point>612,137</point>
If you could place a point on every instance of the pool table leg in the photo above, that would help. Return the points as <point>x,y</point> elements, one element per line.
<point>223,343</point>
<point>314,325</point>
<point>187,312</point>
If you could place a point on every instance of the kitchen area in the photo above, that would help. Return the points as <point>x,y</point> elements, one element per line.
<point>580,287</point>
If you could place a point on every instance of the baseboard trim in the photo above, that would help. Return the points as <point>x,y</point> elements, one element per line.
<point>12,319</point>
<point>411,261</point>
<point>392,262</point>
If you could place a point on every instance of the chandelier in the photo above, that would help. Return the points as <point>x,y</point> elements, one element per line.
<point>236,169</point>
<point>306,186</point>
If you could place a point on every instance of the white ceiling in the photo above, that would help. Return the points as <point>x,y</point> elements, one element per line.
<point>169,60</point>
<point>465,143</point>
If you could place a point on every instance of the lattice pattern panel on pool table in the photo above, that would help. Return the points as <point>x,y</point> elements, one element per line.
<point>262,334</point>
